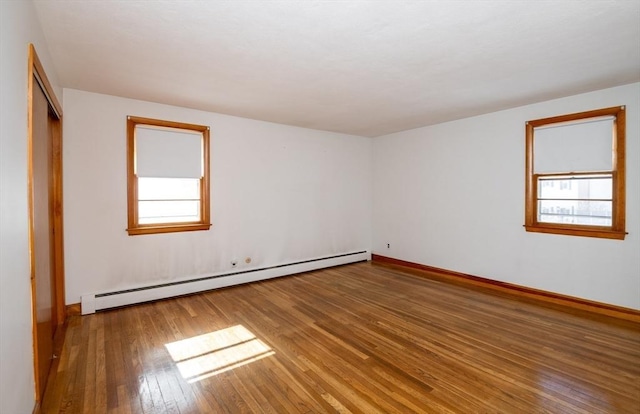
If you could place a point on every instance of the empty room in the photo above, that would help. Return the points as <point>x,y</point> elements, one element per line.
<point>322,206</point>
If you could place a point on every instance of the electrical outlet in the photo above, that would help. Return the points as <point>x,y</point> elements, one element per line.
<point>388,245</point>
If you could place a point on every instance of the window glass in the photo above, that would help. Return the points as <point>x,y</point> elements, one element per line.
<point>168,176</point>
<point>575,174</point>
<point>168,200</point>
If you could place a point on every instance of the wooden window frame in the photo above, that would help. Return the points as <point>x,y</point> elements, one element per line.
<point>617,228</point>
<point>134,227</point>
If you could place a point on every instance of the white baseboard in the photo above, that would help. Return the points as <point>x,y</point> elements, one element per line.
<point>106,300</point>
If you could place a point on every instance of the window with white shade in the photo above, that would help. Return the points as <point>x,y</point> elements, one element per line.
<point>168,176</point>
<point>575,174</point>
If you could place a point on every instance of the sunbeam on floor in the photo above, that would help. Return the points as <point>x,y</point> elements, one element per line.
<point>207,355</point>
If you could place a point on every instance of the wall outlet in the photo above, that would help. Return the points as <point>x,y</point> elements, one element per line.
<point>388,245</point>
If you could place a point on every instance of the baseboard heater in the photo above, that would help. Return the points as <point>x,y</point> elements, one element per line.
<point>107,300</point>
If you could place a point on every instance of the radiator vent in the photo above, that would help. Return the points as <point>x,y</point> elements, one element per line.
<point>106,300</point>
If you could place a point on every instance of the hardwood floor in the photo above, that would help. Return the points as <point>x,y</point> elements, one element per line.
<point>359,338</point>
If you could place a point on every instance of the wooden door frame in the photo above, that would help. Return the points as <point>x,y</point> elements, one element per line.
<point>37,74</point>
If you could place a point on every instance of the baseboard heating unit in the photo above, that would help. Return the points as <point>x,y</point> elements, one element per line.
<point>106,300</point>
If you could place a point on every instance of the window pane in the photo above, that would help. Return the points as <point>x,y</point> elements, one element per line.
<point>594,213</point>
<point>582,187</point>
<point>168,188</point>
<point>168,173</point>
<point>152,212</point>
<point>572,162</point>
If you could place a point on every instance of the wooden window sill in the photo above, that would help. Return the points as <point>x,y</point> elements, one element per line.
<point>578,231</point>
<point>171,228</point>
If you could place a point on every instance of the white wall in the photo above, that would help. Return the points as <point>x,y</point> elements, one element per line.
<point>452,196</point>
<point>278,194</point>
<point>449,195</point>
<point>18,27</point>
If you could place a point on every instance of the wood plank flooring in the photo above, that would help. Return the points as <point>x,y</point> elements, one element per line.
<point>359,338</point>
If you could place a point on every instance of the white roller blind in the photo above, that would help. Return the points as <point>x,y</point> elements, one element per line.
<point>167,153</point>
<point>574,147</point>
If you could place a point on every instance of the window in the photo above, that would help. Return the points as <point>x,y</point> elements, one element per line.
<point>575,174</point>
<point>167,176</point>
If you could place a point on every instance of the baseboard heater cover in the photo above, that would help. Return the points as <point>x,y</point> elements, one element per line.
<point>106,300</point>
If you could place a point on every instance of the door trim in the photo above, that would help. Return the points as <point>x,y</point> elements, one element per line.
<point>36,73</point>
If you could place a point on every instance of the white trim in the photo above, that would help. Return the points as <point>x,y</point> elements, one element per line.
<point>105,300</point>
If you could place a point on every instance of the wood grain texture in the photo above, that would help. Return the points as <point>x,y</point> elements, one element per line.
<point>73,309</point>
<point>134,227</point>
<point>37,80</point>
<point>617,229</point>
<point>568,303</point>
<point>358,338</point>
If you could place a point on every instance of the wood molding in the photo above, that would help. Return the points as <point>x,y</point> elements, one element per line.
<point>134,227</point>
<point>36,68</point>
<point>73,310</point>
<point>513,289</point>
<point>36,75</point>
<point>618,199</point>
<point>58,345</point>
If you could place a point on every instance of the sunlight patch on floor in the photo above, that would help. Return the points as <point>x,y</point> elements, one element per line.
<point>204,356</point>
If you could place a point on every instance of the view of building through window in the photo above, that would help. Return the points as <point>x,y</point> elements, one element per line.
<point>585,200</point>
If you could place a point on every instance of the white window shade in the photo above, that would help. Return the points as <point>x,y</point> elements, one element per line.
<point>574,147</point>
<point>166,153</point>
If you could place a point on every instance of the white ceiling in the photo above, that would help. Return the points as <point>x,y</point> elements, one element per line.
<point>358,67</point>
